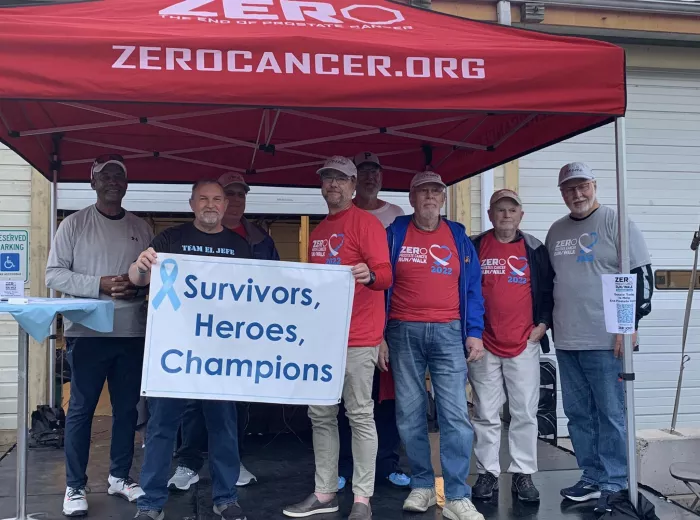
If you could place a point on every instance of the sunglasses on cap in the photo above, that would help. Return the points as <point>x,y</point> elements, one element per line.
<point>102,161</point>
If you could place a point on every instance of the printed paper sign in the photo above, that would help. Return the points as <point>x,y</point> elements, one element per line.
<point>620,301</point>
<point>247,330</point>
<point>11,288</point>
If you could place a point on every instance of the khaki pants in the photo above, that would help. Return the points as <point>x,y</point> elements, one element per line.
<point>359,407</point>
<point>491,377</point>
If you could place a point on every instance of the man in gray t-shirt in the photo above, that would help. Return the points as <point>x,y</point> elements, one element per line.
<point>90,257</point>
<point>583,246</point>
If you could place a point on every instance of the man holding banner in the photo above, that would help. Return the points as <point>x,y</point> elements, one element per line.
<point>194,432</point>
<point>349,236</point>
<point>205,236</point>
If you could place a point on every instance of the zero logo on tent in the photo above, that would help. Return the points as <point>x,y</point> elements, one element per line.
<point>284,10</point>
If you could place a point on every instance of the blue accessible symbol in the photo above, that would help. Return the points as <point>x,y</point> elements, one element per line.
<point>9,262</point>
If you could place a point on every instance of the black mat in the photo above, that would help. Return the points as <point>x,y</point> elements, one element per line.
<point>284,467</point>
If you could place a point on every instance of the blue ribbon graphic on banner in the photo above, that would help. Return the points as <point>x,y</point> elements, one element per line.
<point>168,280</point>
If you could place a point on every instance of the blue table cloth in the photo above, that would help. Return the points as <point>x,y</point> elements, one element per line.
<point>36,316</point>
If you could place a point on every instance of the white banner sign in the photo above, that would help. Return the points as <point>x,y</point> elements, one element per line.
<point>619,301</point>
<point>247,330</point>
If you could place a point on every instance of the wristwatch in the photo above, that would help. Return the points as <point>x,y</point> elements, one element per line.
<point>372,278</point>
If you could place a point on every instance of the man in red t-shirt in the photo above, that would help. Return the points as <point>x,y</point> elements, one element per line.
<point>436,314</point>
<point>349,236</point>
<point>517,289</point>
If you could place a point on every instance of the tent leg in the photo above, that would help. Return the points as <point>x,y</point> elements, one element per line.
<point>52,294</point>
<point>624,252</point>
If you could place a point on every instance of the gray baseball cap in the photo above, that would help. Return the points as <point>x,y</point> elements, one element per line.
<point>575,170</point>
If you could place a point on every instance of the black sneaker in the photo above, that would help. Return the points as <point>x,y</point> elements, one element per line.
<point>603,505</point>
<point>230,511</point>
<point>484,486</point>
<point>523,486</point>
<point>581,492</point>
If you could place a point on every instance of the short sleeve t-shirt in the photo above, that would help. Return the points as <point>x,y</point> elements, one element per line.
<point>387,213</point>
<point>352,237</point>
<point>426,287</point>
<point>186,239</point>
<point>505,285</point>
<point>580,252</point>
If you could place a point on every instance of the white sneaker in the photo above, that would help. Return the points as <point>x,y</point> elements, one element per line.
<point>245,477</point>
<point>74,502</point>
<point>183,478</point>
<point>124,488</point>
<point>461,509</point>
<point>420,499</point>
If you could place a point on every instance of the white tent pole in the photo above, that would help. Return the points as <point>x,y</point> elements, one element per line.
<point>624,252</point>
<point>52,293</point>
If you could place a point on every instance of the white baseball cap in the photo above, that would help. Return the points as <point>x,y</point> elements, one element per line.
<point>340,164</point>
<point>233,178</point>
<point>101,162</point>
<point>505,194</point>
<point>575,170</point>
<point>425,178</point>
<point>366,157</point>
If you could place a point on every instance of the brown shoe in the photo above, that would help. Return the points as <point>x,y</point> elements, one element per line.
<point>312,506</point>
<point>360,512</point>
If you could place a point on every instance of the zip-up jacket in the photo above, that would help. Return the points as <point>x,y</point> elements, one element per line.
<point>261,243</point>
<point>541,280</point>
<point>471,302</point>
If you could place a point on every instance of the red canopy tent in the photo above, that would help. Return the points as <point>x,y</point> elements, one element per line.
<point>189,89</point>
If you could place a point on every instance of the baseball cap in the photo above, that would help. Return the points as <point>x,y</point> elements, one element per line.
<point>575,170</point>
<point>366,157</point>
<point>425,178</point>
<point>340,164</point>
<point>102,161</point>
<point>233,178</point>
<point>505,194</point>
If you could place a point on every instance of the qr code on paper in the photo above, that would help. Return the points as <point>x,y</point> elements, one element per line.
<point>625,315</point>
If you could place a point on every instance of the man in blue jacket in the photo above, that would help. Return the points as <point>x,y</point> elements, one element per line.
<point>435,320</point>
<point>193,430</point>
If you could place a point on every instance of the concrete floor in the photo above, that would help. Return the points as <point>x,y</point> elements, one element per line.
<point>284,467</point>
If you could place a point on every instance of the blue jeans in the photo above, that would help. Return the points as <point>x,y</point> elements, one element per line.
<point>413,347</point>
<point>224,464</point>
<point>193,430</point>
<point>92,360</point>
<point>594,403</point>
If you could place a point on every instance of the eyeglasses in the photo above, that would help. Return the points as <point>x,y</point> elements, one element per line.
<point>583,188</point>
<point>340,179</point>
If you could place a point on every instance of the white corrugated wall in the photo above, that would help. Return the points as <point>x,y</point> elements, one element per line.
<point>663,151</point>
<point>15,213</point>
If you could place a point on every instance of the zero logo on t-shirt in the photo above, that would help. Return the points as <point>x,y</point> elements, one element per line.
<point>329,246</point>
<point>518,269</point>
<point>583,246</point>
<point>441,259</point>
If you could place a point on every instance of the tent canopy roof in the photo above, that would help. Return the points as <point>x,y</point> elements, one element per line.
<point>190,89</point>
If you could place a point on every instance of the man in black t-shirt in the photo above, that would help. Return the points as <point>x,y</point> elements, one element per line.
<point>205,236</point>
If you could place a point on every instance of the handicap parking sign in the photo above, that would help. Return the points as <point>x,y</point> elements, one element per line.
<point>9,262</point>
<point>14,254</point>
